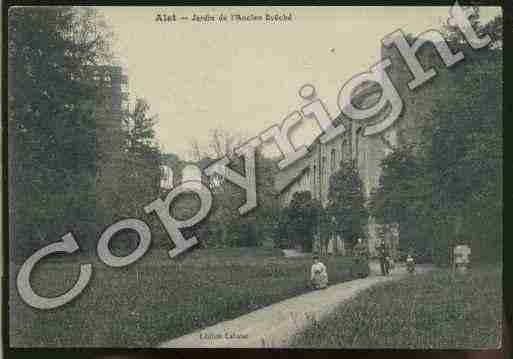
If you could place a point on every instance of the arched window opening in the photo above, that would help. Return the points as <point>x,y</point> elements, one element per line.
<point>166,178</point>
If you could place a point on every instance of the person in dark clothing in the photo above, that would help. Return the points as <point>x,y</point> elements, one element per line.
<point>383,258</point>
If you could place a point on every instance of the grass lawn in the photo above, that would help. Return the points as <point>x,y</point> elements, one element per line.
<point>156,298</point>
<point>430,310</point>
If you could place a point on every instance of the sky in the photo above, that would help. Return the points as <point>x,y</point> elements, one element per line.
<point>245,76</point>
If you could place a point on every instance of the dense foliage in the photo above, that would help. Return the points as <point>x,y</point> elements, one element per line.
<point>224,226</point>
<point>404,197</point>
<point>447,189</point>
<point>302,220</point>
<point>346,203</point>
<point>141,159</point>
<point>50,124</point>
<point>52,130</point>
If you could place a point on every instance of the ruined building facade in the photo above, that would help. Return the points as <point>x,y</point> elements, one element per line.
<point>312,172</point>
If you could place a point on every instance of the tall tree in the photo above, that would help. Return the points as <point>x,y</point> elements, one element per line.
<point>463,146</point>
<point>449,190</point>
<point>346,203</point>
<point>403,197</point>
<point>50,123</point>
<point>303,219</point>
<point>226,227</point>
<point>267,213</point>
<point>141,159</point>
<point>465,152</point>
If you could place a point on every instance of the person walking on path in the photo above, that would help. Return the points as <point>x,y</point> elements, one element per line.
<point>383,258</point>
<point>318,276</point>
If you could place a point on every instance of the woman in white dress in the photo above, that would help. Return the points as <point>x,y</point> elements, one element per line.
<point>319,275</point>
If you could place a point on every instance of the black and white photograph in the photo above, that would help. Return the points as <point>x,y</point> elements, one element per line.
<point>254,177</point>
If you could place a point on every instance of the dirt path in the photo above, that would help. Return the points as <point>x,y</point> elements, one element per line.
<point>274,325</point>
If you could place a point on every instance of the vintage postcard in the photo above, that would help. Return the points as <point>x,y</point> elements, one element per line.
<point>255,177</point>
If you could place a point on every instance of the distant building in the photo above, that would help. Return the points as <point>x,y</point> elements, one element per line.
<point>312,172</point>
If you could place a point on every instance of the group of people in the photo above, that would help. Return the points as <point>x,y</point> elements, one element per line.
<point>387,263</point>
<point>360,268</point>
